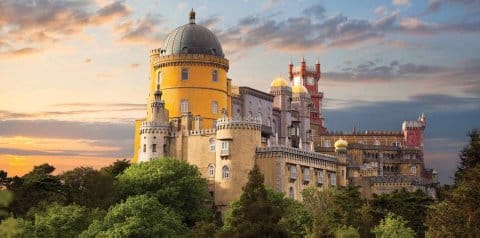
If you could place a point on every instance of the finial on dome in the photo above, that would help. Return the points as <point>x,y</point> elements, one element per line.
<point>192,16</point>
<point>318,61</point>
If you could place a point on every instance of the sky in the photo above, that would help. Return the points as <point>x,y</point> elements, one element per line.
<point>74,74</point>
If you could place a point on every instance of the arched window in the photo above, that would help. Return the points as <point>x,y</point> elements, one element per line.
<point>184,73</point>
<point>225,172</point>
<point>211,170</point>
<point>144,148</point>
<point>184,106</point>
<point>250,115</point>
<point>215,76</point>
<point>259,118</point>
<point>291,193</point>
<point>376,142</point>
<point>326,143</point>
<point>414,169</point>
<point>269,121</point>
<point>214,107</point>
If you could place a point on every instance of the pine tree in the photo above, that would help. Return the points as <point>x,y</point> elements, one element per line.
<point>255,215</point>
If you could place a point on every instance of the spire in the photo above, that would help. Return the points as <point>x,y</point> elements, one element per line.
<point>303,58</point>
<point>318,61</point>
<point>192,17</point>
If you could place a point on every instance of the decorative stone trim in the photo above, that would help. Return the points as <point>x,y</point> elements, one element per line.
<point>298,156</point>
<point>189,59</point>
<point>232,123</point>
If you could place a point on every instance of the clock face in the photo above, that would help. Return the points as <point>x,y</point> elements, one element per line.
<point>310,81</point>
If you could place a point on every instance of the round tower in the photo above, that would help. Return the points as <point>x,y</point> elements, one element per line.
<point>192,71</point>
<point>236,143</point>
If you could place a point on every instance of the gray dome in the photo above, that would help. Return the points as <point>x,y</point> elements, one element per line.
<point>192,39</point>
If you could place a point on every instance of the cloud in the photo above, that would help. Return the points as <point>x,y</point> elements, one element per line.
<point>86,61</point>
<point>67,129</point>
<point>401,2</point>
<point>19,52</point>
<point>135,65</point>
<point>435,5</point>
<point>33,23</point>
<point>380,11</point>
<point>211,21</point>
<point>316,11</point>
<point>143,30</point>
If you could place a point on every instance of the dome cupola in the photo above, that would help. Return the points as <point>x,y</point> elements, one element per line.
<point>192,38</point>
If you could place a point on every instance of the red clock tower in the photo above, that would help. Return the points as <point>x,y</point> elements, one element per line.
<point>309,77</point>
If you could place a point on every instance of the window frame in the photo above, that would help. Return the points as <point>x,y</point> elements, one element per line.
<point>215,75</point>
<point>184,106</point>
<point>184,72</point>
<point>225,172</point>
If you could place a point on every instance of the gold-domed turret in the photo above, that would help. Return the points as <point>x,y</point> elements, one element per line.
<point>341,144</point>
<point>299,89</point>
<point>279,82</point>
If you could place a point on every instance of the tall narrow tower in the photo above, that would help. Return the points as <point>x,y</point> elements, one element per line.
<point>309,77</point>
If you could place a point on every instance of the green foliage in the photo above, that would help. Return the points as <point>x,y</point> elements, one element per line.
<point>393,227</point>
<point>347,232</point>
<point>116,168</point>
<point>297,219</point>
<point>255,215</point>
<point>459,214</point>
<point>411,206</point>
<point>204,229</point>
<point>88,187</point>
<point>4,179</point>
<point>334,208</point>
<point>175,184</point>
<point>63,221</point>
<point>15,228</point>
<point>469,156</point>
<point>6,197</point>
<point>34,187</point>
<point>138,216</point>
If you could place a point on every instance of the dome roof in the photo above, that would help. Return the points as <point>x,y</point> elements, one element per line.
<point>341,144</point>
<point>299,89</point>
<point>279,82</point>
<point>192,39</point>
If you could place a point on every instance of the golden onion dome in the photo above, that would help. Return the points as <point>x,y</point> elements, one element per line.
<point>340,144</point>
<point>299,89</point>
<point>279,82</point>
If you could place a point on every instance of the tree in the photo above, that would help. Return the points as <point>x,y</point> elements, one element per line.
<point>116,168</point>
<point>175,184</point>
<point>15,228</point>
<point>393,227</point>
<point>36,187</point>
<point>6,198</point>
<point>4,179</point>
<point>458,215</point>
<point>63,221</point>
<point>88,187</point>
<point>297,219</point>
<point>254,215</point>
<point>324,211</point>
<point>347,232</point>
<point>470,155</point>
<point>411,206</point>
<point>138,216</point>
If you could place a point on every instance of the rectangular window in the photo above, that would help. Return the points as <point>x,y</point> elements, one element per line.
<point>144,148</point>
<point>184,73</point>
<point>214,107</point>
<point>320,176</point>
<point>224,148</point>
<point>184,106</point>
<point>215,76</point>
<point>306,174</point>
<point>333,179</point>
<point>293,172</point>
<point>154,147</point>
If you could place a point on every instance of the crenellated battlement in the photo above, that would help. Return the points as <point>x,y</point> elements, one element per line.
<point>232,123</point>
<point>154,127</point>
<point>366,132</point>
<point>202,132</point>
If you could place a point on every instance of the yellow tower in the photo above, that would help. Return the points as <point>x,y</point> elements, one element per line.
<point>192,72</point>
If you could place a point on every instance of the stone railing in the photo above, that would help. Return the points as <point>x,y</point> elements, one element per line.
<point>298,156</point>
